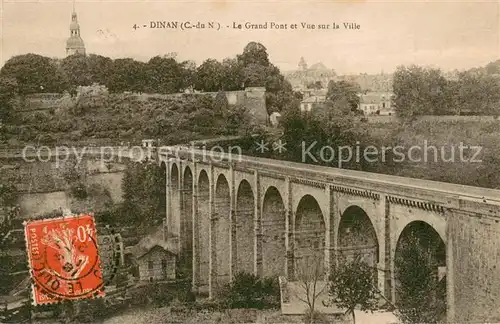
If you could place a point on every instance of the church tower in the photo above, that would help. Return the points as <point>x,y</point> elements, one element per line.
<point>74,44</point>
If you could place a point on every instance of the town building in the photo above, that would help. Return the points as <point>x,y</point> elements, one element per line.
<point>312,103</point>
<point>74,44</point>
<point>157,264</point>
<point>307,75</point>
<point>156,255</point>
<point>376,103</point>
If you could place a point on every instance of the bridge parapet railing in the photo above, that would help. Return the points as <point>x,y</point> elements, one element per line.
<point>444,194</point>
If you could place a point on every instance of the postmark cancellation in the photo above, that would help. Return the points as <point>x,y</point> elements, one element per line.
<point>63,259</point>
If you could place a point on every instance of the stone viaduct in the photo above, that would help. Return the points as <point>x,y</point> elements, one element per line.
<point>268,217</point>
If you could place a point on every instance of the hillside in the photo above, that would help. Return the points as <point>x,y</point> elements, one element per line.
<point>479,138</point>
<point>113,118</point>
<point>480,161</point>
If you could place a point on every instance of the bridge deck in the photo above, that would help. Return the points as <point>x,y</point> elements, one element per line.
<point>441,192</point>
<point>382,182</point>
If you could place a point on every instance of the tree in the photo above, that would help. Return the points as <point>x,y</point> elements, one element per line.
<point>128,75</point>
<point>34,74</point>
<point>212,76</point>
<point>420,91</point>
<point>352,284</point>
<point>77,70</point>
<point>164,75</point>
<point>232,75</point>
<point>100,69</point>
<point>326,128</point>
<point>209,76</point>
<point>343,93</point>
<point>8,91</point>
<point>476,93</point>
<point>255,75</point>
<point>254,53</point>
<point>419,294</point>
<point>249,291</point>
<point>310,278</point>
<point>143,193</point>
<point>188,70</point>
<point>315,85</point>
<point>493,67</point>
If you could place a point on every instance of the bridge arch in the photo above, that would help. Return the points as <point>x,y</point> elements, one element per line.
<point>186,256</point>
<point>202,228</point>
<point>273,233</point>
<point>357,236</point>
<point>163,189</point>
<point>310,232</point>
<point>174,176</point>
<point>175,201</point>
<point>201,170</point>
<point>433,219</point>
<point>421,253</point>
<point>222,205</point>
<point>243,228</point>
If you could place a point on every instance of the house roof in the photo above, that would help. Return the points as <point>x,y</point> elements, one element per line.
<point>155,239</point>
<point>370,99</point>
<point>157,246</point>
<point>313,99</point>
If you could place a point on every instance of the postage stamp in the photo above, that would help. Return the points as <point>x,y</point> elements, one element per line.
<point>63,259</point>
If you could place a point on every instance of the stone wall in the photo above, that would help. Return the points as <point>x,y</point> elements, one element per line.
<point>43,187</point>
<point>253,98</point>
<point>476,256</point>
<point>157,256</point>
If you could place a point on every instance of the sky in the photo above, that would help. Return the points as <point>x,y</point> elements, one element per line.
<point>448,35</point>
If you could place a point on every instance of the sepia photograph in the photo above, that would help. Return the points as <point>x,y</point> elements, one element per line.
<point>270,162</point>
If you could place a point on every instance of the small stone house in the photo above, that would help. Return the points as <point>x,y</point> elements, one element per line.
<point>155,255</point>
<point>157,264</point>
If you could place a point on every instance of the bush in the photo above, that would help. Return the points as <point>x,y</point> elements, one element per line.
<point>249,291</point>
<point>316,318</point>
<point>162,295</point>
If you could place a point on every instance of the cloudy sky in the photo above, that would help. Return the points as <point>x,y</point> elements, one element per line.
<point>449,35</point>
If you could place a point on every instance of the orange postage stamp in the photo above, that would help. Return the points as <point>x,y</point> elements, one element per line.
<point>63,259</point>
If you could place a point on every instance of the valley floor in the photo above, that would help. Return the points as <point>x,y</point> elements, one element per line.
<point>163,315</point>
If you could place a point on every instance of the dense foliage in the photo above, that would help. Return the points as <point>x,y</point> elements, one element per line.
<point>161,74</point>
<point>8,90</point>
<point>425,91</point>
<point>90,113</point>
<point>343,95</point>
<point>249,291</point>
<point>353,285</point>
<point>130,118</point>
<point>143,194</point>
<point>420,296</point>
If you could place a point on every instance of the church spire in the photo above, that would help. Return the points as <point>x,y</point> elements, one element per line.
<point>74,44</point>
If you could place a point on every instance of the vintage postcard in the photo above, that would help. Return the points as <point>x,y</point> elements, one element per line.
<point>280,161</point>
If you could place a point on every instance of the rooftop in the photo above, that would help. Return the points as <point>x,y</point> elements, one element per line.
<point>374,97</point>
<point>313,99</point>
<point>152,240</point>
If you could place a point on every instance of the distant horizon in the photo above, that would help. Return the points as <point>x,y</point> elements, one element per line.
<point>445,35</point>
